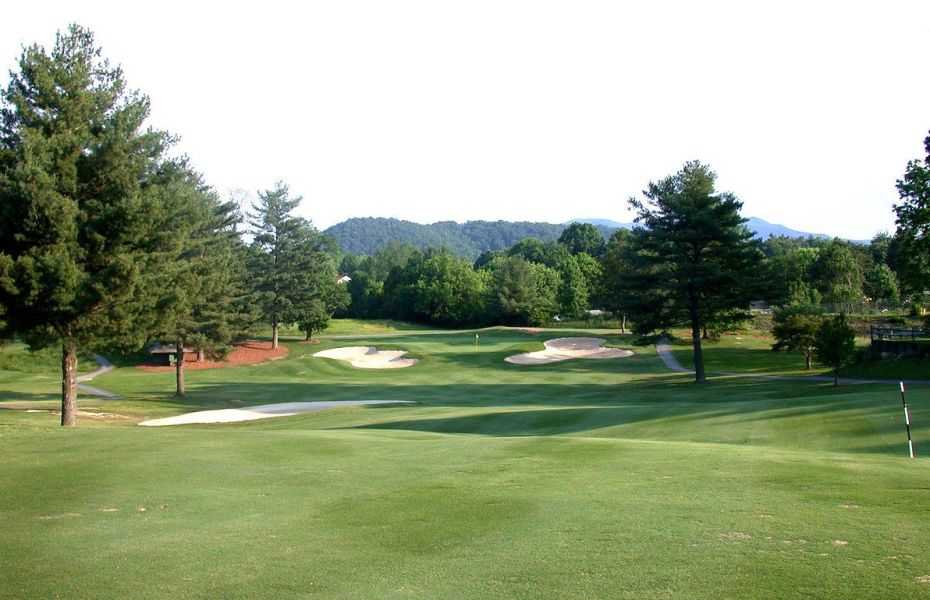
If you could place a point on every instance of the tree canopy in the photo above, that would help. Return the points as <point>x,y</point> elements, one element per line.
<point>913,220</point>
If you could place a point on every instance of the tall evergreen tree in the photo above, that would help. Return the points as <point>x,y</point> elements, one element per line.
<point>202,299</point>
<point>84,221</point>
<point>691,259</point>
<point>287,258</point>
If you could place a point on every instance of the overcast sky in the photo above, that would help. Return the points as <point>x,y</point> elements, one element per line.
<point>539,111</point>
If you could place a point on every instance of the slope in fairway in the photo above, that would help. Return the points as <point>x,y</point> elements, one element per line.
<point>598,479</point>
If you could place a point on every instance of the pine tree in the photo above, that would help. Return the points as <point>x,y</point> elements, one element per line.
<point>85,216</point>
<point>288,258</point>
<point>202,301</point>
<point>691,260</point>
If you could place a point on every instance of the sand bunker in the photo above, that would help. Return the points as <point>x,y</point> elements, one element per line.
<point>567,348</point>
<point>265,411</point>
<point>369,357</point>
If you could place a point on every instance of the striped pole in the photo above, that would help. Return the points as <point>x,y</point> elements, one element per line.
<point>907,421</point>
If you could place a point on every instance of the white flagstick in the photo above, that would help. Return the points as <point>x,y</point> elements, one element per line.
<point>907,422</point>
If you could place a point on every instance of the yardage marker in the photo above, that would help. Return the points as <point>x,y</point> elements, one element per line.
<point>907,421</point>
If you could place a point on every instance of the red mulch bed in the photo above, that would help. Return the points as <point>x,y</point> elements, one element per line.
<point>245,353</point>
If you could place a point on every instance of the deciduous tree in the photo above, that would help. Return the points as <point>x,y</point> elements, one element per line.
<point>913,220</point>
<point>795,329</point>
<point>835,344</point>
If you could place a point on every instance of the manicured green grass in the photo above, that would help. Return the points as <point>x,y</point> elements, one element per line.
<point>751,352</point>
<point>14,356</point>
<point>582,479</point>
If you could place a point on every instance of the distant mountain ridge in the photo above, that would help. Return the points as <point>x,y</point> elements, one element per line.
<point>367,235</point>
<point>762,228</point>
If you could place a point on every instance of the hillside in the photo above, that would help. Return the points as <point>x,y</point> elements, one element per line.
<point>365,236</point>
<point>370,234</point>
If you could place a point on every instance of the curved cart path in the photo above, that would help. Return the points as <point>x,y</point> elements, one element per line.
<point>664,349</point>
<point>105,366</point>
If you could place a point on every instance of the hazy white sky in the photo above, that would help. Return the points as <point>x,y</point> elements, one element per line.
<point>540,111</point>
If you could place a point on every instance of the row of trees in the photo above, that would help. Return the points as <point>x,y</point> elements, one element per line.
<point>528,284</point>
<point>107,241</point>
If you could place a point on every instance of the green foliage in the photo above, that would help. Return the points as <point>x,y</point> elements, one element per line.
<point>573,288</point>
<point>913,220</point>
<point>88,205</point>
<point>367,236</point>
<point>291,262</point>
<point>446,290</point>
<point>524,293</point>
<point>838,272</point>
<point>203,301</point>
<point>835,344</point>
<point>881,284</point>
<point>583,238</point>
<point>534,250</point>
<point>315,313</point>
<point>795,329</point>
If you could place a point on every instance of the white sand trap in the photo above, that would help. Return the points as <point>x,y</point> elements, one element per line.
<point>369,357</point>
<point>567,348</point>
<point>265,411</point>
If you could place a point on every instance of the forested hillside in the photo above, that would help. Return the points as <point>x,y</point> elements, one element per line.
<point>366,236</point>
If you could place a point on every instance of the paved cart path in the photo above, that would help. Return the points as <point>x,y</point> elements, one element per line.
<point>105,366</point>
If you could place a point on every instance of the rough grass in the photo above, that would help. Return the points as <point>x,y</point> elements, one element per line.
<point>581,479</point>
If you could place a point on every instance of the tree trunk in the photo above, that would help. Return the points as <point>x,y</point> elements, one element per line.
<point>309,335</point>
<point>274,335</point>
<point>704,335</point>
<point>623,323</point>
<point>807,358</point>
<point>836,377</point>
<point>696,343</point>
<point>200,355</point>
<point>179,368</point>
<point>68,384</point>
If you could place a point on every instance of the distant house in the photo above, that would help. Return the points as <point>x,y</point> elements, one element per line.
<point>343,278</point>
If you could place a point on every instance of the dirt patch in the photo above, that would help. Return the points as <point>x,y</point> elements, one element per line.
<point>849,506</point>
<point>245,353</point>
<point>736,535</point>
<point>924,579</point>
<point>840,543</point>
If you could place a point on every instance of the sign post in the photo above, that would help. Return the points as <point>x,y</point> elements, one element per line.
<point>476,341</point>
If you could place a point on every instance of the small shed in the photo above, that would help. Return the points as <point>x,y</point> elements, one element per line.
<point>166,355</point>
